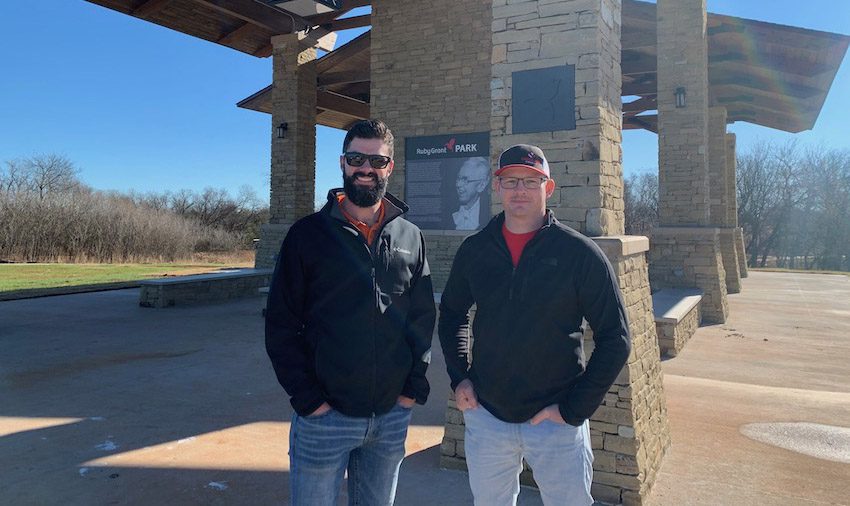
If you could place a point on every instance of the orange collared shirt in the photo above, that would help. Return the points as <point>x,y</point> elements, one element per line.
<point>368,232</point>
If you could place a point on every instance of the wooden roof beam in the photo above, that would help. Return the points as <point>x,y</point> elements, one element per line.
<point>258,14</point>
<point>268,18</point>
<point>640,105</point>
<point>637,62</point>
<point>648,122</point>
<point>340,103</point>
<point>330,78</point>
<point>236,34</point>
<point>634,39</point>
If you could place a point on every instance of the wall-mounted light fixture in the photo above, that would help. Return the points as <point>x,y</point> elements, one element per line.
<point>281,130</point>
<point>680,97</point>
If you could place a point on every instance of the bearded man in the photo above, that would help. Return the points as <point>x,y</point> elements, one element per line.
<point>348,330</point>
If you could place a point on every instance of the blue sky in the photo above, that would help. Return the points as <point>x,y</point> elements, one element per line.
<point>139,106</point>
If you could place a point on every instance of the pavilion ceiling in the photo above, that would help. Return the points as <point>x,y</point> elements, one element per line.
<point>771,75</point>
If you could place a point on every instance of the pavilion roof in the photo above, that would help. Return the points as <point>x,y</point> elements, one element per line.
<point>768,74</point>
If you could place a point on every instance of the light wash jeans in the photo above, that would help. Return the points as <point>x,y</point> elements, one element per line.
<point>559,455</point>
<point>322,447</point>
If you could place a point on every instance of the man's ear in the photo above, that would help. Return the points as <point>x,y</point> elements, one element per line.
<point>390,167</point>
<point>550,187</point>
<point>342,163</point>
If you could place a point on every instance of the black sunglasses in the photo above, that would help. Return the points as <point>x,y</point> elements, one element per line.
<point>356,159</point>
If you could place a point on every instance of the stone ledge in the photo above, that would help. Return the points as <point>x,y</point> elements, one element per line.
<point>228,274</point>
<point>622,245</point>
<point>686,231</point>
<point>671,305</point>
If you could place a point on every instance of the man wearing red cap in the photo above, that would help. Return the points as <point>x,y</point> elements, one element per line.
<point>528,392</point>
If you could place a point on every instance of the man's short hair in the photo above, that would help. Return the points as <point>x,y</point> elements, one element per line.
<point>369,129</point>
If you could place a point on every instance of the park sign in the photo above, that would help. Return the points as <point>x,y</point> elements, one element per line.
<point>307,7</point>
<point>447,179</point>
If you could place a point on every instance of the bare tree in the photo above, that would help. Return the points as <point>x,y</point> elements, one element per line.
<point>768,184</point>
<point>640,195</point>
<point>50,173</point>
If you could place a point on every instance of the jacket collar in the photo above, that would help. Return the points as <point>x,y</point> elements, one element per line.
<point>393,206</point>
<point>495,225</point>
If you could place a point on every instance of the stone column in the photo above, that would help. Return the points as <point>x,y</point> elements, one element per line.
<point>732,210</point>
<point>719,196</point>
<point>684,196</point>
<point>586,162</point>
<point>293,164</point>
<point>629,432</point>
<point>436,82</point>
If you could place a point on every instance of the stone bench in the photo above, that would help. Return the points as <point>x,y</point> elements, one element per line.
<point>200,288</point>
<point>677,317</point>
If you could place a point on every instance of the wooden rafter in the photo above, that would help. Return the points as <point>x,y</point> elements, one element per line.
<point>264,52</point>
<point>237,34</point>
<point>257,14</point>
<point>340,103</point>
<point>357,76</point>
<point>347,6</point>
<point>640,105</point>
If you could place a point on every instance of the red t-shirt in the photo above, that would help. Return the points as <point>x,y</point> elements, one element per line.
<point>516,242</point>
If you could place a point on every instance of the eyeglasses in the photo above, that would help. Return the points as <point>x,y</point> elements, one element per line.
<point>356,159</point>
<point>530,183</point>
<point>466,180</point>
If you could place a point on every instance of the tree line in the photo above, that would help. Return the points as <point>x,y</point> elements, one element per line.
<point>793,204</point>
<point>48,214</point>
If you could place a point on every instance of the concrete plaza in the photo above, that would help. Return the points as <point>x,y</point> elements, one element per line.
<point>104,402</point>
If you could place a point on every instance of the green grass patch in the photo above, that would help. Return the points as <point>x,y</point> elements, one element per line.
<point>14,277</point>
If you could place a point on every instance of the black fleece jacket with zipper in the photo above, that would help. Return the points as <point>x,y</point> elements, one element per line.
<point>348,323</point>
<point>527,351</point>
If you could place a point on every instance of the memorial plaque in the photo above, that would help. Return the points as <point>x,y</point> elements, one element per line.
<point>543,100</point>
<point>447,181</point>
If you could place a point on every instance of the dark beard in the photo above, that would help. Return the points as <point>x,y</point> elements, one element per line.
<point>362,196</point>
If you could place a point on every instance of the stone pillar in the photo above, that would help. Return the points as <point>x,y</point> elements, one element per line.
<point>732,210</point>
<point>586,162</point>
<point>742,254</point>
<point>719,196</point>
<point>629,432</point>
<point>436,82</point>
<point>293,165</point>
<point>685,239</point>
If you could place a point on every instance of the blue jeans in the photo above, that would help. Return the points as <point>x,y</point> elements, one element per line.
<point>322,447</point>
<point>559,455</point>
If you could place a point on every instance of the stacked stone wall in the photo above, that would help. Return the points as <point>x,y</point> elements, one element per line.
<point>742,254</point>
<point>586,163</point>
<point>203,288</point>
<point>441,250</point>
<point>271,237</point>
<point>683,132</point>
<point>690,257</point>
<point>673,336</point>
<point>430,70</point>
<point>731,263</point>
<point>629,432</point>
<point>293,103</point>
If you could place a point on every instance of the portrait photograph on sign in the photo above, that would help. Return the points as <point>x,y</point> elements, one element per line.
<point>447,181</point>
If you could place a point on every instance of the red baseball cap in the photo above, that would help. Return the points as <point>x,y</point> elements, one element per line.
<point>523,156</point>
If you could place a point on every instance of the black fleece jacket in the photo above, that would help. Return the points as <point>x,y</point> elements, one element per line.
<point>347,323</point>
<point>527,351</point>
